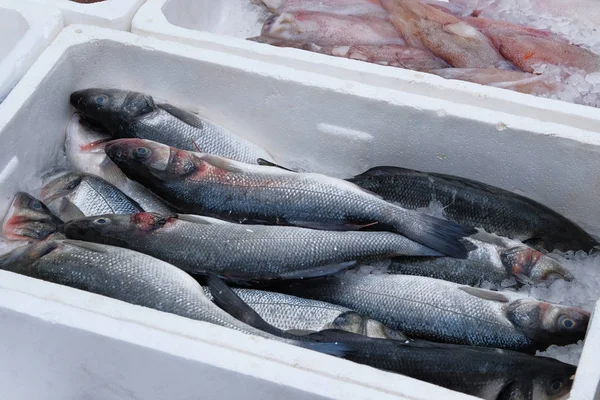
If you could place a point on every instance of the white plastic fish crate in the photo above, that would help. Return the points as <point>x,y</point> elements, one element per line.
<point>26,29</point>
<point>115,14</point>
<point>201,23</point>
<point>84,346</point>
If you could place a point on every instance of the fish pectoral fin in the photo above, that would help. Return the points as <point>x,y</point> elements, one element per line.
<point>333,226</point>
<point>222,163</point>
<point>231,303</point>
<point>266,163</point>
<point>324,270</point>
<point>484,294</point>
<point>186,116</point>
<point>95,247</point>
<point>198,219</point>
<point>69,211</point>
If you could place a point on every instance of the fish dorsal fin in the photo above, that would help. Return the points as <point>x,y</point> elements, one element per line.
<point>266,163</point>
<point>485,294</point>
<point>198,219</point>
<point>222,163</point>
<point>186,116</point>
<point>95,247</point>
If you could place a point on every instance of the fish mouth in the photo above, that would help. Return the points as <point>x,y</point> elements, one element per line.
<point>77,99</point>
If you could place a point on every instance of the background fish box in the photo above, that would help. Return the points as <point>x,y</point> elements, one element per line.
<point>216,25</point>
<point>79,345</point>
<point>115,14</point>
<point>26,29</point>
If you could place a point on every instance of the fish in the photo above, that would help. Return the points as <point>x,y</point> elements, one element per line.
<point>128,114</point>
<point>488,373</point>
<point>441,311</point>
<point>84,147</point>
<point>523,82</point>
<point>394,55</point>
<point>29,219</point>
<point>487,262</point>
<point>451,39</point>
<point>342,7</point>
<point>469,202</point>
<point>196,183</point>
<point>255,252</point>
<point>331,30</point>
<point>131,277</point>
<point>74,195</point>
<point>528,48</point>
<point>303,316</point>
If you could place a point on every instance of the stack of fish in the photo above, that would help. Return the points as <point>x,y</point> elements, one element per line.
<point>159,199</point>
<point>430,36</point>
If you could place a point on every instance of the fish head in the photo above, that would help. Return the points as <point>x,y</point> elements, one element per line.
<point>109,108</point>
<point>533,266</point>
<point>114,229</point>
<point>354,322</point>
<point>145,160</point>
<point>28,218</point>
<point>553,382</point>
<point>546,323</point>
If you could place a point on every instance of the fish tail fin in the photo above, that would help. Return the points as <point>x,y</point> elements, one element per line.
<point>436,233</point>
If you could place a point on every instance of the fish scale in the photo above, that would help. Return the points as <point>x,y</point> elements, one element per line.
<point>200,244</point>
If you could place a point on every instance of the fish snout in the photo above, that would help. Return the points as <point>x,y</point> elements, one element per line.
<point>77,99</point>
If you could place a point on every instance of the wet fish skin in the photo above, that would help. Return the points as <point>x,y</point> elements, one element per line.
<point>487,373</point>
<point>74,195</point>
<point>291,313</point>
<point>331,30</point>
<point>446,36</point>
<point>199,245</point>
<point>342,7</point>
<point>394,55</point>
<point>29,219</point>
<point>477,204</point>
<point>437,310</point>
<point>128,114</point>
<point>85,153</point>
<point>198,183</point>
<point>490,262</point>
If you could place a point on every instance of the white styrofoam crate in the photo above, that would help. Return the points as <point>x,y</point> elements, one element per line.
<point>198,23</point>
<point>26,29</point>
<point>86,346</point>
<point>115,14</point>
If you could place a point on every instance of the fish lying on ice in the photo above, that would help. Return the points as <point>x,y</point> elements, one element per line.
<point>197,183</point>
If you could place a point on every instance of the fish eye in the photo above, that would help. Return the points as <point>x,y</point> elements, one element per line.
<point>566,322</point>
<point>142,151</point>
<point>100,99</point>
<point>102,221</point>
<point>556,385</point>
<point>36,205</point>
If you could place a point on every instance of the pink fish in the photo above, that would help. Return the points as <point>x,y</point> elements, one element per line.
<point>523,82</point>
<point>446,36</point>
<point>394,55</point>
<point>342,7</point>
<point>527,47</point>
<point>330,30</point>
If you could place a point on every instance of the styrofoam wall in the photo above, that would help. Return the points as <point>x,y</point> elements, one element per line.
<point>26,29</point>
<point>333,125</point>
<point>115,14</point>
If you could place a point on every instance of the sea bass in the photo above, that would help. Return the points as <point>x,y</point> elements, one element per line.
<point>74,195</point>
<point>394,55</point>
<point>331,30</point>
<point>343,7</point>
<point>201,245</point>
<point>518,81</point>
<point>127,276</point>
<point>446,36</point>
<point>29,219</point>
<point>474,203</point>
<point>442,311</point>
<point>197,183</point>
<point>85,153</point>
<point>489,262</point>
<point>303,316</point>
<point>528,48</point>
<point>127,114</point>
